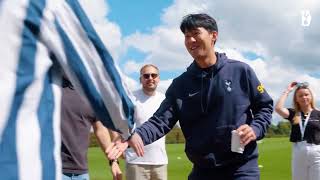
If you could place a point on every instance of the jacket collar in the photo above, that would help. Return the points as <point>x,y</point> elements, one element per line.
<point>198,72</point>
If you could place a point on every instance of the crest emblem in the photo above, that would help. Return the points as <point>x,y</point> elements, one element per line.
<point>305,18</point>
<point>228,85</point>
<point>260,88</point>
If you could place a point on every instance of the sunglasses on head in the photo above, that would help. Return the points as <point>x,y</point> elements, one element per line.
<point>302,84</point>
<point>147,76</point>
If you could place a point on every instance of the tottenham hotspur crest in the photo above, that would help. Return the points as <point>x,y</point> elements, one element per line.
<point>228,85</point>
<point>305,18</point>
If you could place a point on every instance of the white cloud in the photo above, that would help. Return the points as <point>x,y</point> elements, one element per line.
<point>287,51</point>
<point>164,84</point>
<point>272,30</point>
<point>95,8</point>
<point>180,8</point>
<point>109,32</point>
<point>132,66</point>
<point>161,48</point>
<point>131,83</point>
<point>261,27</point>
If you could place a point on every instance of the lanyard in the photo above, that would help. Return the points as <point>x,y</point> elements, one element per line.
<point>303,128</point>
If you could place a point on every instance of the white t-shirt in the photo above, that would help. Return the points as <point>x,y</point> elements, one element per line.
<point>155,153</point>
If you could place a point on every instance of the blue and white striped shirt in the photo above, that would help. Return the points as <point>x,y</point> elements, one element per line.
<point>38,38</point>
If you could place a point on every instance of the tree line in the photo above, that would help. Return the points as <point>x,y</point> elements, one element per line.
<point>282,129</point>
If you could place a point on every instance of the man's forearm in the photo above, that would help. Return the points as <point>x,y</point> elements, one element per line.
<point>102,135</point>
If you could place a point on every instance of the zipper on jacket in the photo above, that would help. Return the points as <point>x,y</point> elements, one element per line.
<point>204,107</point>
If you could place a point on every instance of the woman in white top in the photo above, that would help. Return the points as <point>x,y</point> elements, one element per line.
<point>305,131</point>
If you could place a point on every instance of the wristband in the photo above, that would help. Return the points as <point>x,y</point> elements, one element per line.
<point>112,161</point>
<point>131,135</point>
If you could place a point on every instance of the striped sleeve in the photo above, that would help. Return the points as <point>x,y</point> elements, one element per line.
<point>30,96</point>
<point>38,37</point>
<point>81,53</point>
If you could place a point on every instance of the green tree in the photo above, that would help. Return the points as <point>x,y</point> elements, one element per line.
<point>284,127</point>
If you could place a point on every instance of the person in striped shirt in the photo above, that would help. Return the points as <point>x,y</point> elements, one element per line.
<point>41,40</point>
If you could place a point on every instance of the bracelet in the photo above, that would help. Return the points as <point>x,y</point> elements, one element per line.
<point>112,161</point>
<point>133,132</point>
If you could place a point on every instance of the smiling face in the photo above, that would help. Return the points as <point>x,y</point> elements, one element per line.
<point>303,98</point>
<point>149,78</point>
<point>199,42</point>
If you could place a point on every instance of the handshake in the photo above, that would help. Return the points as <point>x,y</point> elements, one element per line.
<point>118,146</point>
<point>241,137</point>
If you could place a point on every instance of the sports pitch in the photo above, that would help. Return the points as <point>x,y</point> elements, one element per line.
<point>274,161</point>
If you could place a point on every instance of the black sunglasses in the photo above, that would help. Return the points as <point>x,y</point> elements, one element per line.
<point>147,76</point>
<point>302,84</point>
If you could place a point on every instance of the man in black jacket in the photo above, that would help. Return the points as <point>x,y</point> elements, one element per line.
<point>215,96</point>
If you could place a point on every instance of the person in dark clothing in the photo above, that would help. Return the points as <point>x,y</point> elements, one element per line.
<point>77,117</point>
<point>215,96</point>
<point>305,131</point>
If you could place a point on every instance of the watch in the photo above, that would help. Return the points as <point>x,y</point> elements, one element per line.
<point>112,161</point>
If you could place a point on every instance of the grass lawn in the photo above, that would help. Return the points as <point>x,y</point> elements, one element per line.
<point>275,159</point>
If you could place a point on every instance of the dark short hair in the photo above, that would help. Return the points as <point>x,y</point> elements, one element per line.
<point>193,21</point>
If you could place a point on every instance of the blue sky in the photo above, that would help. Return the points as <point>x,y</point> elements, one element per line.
<point>138,15</point>
<point>271,39</point>
<point>142,16</point>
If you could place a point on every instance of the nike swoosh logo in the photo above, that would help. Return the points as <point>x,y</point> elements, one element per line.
<point>193,94</point>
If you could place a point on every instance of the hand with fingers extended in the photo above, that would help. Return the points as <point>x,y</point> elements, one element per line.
<point>116,148</point>
<point>246,134</point>
<point>135,142</point>
<point>291,86</point>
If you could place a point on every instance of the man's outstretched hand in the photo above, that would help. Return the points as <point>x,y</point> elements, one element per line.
<point>117,147</point>
<point>135,142</point>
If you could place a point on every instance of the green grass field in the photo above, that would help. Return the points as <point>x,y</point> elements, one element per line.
<point>274,161</point>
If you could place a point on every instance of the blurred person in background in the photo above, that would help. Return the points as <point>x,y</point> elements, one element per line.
<point>77,118</point>
<point>305,130</point>
<point>153,164</point>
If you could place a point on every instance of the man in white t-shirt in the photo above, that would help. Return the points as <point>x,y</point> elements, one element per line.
<point>153,165</point>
